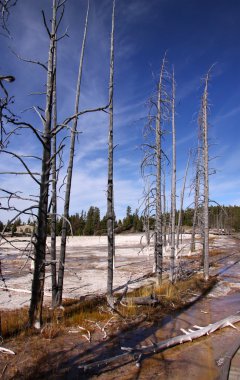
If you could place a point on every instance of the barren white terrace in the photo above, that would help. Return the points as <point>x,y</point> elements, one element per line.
<point>85,268</point>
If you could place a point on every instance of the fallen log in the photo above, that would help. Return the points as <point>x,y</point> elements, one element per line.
<point>6,351</point>
<point>187,336</point>
<point>143,301</point>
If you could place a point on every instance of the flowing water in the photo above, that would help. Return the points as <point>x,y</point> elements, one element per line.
<point>202,359</point>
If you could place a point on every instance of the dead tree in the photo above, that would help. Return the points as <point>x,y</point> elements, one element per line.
<point>147,216</point>
<point>5,101</point>
<point>110,205</point>
<point>173,185</point>
<point>181,202</point>
<point>137,353</point>
<point>42,207</point>
<point>54,184</point>
<point>152,162</point>
<point>158,218</point>
<point>74,132</point>
<point>206,176</point>
<point>5,6</point>
<point>35,310</point>
<point>196,199</point>
<point>164,209</point>
<point>59,292</point>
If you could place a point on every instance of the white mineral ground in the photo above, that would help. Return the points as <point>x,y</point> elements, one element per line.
<point>85,268</point>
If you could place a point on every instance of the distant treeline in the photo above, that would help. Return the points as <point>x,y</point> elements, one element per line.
<point>220,217</point>
<point>90,223</point>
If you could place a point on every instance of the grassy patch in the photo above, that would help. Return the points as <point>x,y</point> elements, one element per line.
<point>171,296</point>
<point>75,312</point>
<point>216,252</point>
<point>13,322</point>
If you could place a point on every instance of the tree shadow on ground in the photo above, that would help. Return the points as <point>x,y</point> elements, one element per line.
<point>65,365</point>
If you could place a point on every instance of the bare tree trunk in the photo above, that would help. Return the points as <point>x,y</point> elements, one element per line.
<point>35,310</point>
<point>158,221</point>
<point>58,300</point>
<point>181,202</point>
<point>196,202</point>
<point>110,205</point>
<point>54,185</point>
<point>217,223</point>
<point>164,210</point>
<point>206,177</point>
<point>147,216</point>
<point>147,223</point>
<point>173,187</point>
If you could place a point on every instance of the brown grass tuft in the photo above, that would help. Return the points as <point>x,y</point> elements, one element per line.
<point>13,322</point>
<point>216,252</point>
<point>50,331</point>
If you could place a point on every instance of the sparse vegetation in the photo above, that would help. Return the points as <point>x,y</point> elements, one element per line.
<point>75,312</point>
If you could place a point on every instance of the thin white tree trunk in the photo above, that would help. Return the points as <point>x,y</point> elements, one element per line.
<point>206,178</point>
<point>158,218</point>
<point>58,300</point>
<point>196,202</point>
<point>147,220</point>
<point>164,210</point>
<point>173,185</point>
<point>181,201</point>
<point>110,205</point>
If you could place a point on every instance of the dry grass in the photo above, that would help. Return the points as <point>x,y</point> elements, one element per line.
<point>170,291</point>
<point>74,312</point>
<point>50,330</point>
<point>216,252</point>
<point>77,312</point>
<point>171,296</point>
<point>13,322</point>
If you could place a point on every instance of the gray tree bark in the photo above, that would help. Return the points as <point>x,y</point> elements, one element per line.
<point>164,210</point>
<point>158,217</point>
<point>58,300</point>
<point>54,185</point>
<point>181,201</point>
<point>110,204</point>
<point>147,217</point>
<point>173,185</point>
<point>206,177</point>
<point>196,202</point>
<point>35,310</point>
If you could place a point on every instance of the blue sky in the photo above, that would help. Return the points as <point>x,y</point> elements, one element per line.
<point>195,34</point>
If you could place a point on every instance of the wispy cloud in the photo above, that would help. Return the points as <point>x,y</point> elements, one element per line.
<point>228,114</point>
<point>88,190</point>
<point>142,31</point>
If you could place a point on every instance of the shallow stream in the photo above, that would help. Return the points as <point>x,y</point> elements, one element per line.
<point>204,358</point>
